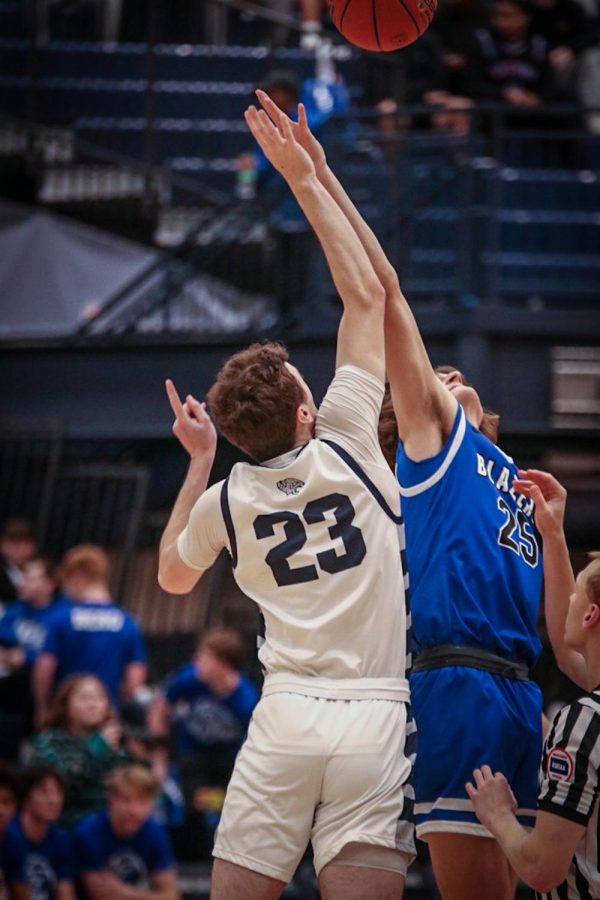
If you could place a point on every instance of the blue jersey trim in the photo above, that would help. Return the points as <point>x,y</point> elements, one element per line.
<point>358,471</point>
<point>441,460</point>
<point>229,523</point>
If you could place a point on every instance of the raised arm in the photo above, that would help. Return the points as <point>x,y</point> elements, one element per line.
<point>424,409</point>
<point>196,433</point>
<point>360,336</point>
<point>550,500</point>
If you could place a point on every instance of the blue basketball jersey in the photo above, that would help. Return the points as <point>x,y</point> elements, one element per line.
<point>473,553</point>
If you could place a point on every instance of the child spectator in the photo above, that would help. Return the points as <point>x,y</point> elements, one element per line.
<point>12,854</point>
<point>123,847</point>
<point>81,741</point>
<point>48,865</point>
<point>217,699</point>
<point>17,545</point>
<point>91,634</point>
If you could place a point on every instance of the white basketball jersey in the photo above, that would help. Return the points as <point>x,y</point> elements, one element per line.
<point>315,542</point>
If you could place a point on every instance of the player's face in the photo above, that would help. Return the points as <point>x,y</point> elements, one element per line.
<point>88,706</point>
<point>455,382</point>
<point>307,392</point>
<point>128,810</point>
<point>45,800</point>
<point>579,607</point>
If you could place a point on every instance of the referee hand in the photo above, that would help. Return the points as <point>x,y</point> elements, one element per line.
<point>491,796</point>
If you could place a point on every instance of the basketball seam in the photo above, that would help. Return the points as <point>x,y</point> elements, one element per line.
<point>341,26</point>
<point>412,18</point>
<point>375,29</point>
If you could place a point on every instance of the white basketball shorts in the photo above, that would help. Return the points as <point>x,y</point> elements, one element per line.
<point>326,771</point>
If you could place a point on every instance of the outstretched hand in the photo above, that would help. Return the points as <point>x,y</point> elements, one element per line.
<point>300,129</point>
<point>192,427</point>
<point>549,496</point>
<point>279,145</point>
<point>491,796</point>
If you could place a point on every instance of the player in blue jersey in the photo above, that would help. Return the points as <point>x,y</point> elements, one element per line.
<point>475,569</point>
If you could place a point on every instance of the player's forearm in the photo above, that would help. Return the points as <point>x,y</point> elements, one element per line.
<point>559,584</point>
<point>381,264</point>
<point>193,486</point>
<point>352,272</point>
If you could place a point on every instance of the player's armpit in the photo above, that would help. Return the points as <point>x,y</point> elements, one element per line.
<point>424,409</point>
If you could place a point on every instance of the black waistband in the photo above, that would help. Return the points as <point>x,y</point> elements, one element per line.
<point>472,657</point>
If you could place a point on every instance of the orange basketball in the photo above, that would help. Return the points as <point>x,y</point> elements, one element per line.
<point>382,24</point>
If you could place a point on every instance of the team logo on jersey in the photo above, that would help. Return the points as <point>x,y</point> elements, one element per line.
<point>290,485</point>
<point>560,765</point>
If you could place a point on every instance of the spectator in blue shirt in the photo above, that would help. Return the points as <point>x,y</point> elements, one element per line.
<point>209,703</point>
<point>122,852</point>
<point>22,634</point>
<point>89,635</point>
<point>12,854</point>
<point>48,864</point>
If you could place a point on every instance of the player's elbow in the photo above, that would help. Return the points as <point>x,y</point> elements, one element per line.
<point>370,295</point>
<point>547,874</point>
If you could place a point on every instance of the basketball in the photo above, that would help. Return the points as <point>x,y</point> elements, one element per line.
<point>382,25</point>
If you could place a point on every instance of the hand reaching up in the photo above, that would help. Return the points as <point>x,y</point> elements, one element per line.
<point>280,146</point>
<point>549,496</point>
<point>192,427</point>
<point>300,129</point>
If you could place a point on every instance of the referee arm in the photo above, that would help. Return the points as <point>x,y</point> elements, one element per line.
<point>541,858</point>
<point>550,500</point>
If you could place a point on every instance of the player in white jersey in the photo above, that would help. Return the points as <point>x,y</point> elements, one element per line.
<point>313,530</point>
<point>560,857</point>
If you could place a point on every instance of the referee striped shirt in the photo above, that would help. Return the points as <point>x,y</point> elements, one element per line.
<point>569,788</point>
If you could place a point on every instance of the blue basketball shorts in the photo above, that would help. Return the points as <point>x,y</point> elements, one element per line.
<point>465,719</point>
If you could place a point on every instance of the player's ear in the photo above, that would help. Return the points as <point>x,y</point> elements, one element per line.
<point>303,415</point>
<point>592,615</point>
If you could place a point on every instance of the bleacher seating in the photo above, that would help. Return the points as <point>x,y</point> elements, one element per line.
<point>464,219</point>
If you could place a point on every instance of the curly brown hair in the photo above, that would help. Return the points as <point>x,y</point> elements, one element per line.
<point>254,401</point>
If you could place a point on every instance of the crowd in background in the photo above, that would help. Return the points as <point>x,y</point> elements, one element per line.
<point>523,53</point>
<point>98,776</point>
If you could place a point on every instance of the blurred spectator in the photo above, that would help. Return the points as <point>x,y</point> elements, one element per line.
<point>123,847</point>
<point>82,742</point>
<point>311,23</point>
<point>17,545</point>
<point>510,62</point>
<point>12,853</point>
<point>91,634</point>
<point>207,704</point>
<point>22,635</point>
<point>406,75</point>
<point>47,848</point>
<point>455,25</point>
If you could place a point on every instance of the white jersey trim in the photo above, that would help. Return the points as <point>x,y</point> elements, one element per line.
<point>337,688</point>
<point>439,473</point>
